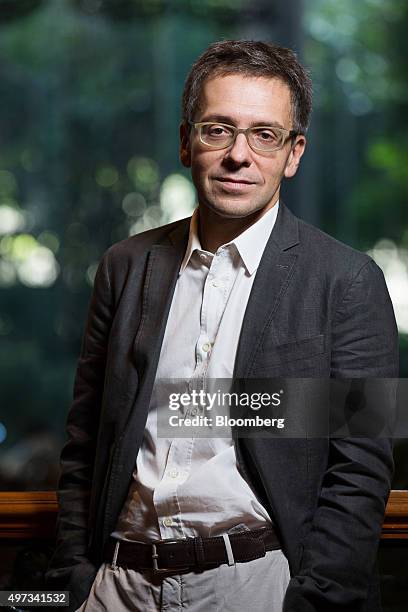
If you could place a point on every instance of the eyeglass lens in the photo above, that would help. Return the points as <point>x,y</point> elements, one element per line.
<point>265,139</point>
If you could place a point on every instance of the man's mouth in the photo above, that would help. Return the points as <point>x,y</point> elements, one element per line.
<point>232,179</point>
<point>234,184</point>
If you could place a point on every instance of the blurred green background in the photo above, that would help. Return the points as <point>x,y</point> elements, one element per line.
<point>90,93</point>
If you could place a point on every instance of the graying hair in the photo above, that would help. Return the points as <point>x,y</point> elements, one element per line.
<point>251,58</point>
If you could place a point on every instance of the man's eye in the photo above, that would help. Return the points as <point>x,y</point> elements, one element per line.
<point>217,130</point>
<point>267,135</point>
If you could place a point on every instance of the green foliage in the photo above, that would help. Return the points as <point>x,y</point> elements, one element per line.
<point>12,9</point>
<point>122,10</point>
<point>357,51</point>
<point>89,124</point>
<point>90,94</point>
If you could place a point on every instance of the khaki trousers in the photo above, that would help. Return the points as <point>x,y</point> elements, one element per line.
<point>257,585</point>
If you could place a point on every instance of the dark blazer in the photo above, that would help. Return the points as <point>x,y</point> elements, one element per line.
<point>317,309</point>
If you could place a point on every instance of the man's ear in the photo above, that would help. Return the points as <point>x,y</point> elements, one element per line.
<point>185,147</point>
<point>295,155</point>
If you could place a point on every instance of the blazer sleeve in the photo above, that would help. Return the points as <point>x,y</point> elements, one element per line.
<point>339,552</point>
<point>69,564</point>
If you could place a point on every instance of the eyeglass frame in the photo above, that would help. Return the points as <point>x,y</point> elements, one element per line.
<point>199,124</point>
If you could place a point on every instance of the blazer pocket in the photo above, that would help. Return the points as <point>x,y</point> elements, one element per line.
<point>292,351</point>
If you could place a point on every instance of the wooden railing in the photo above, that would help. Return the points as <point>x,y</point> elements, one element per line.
<point>395,524</point>
<point>26,515</point>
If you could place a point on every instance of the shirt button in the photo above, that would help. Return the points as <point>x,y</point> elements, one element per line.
<point>216,283</point>
<point>206,347</point>
<point>174,473</point>
<point>167,522</point>
<point>194,411</point>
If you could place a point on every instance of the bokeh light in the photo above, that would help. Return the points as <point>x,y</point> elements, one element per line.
<point>134,204</point>
<point>90,273</point>
<point>39,269</point>
<point>3,432</point>
<point>394,263</point>
<point>50,240</point>
<point>144,173</point>
<point>11,219</point>
<point>107,176</point>
<point>177,197</point>
<point>8,274</point>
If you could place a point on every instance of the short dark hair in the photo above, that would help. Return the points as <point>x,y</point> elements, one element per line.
<point>251,58</point>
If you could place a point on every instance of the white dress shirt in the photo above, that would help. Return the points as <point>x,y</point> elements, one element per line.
<point>185,487</point>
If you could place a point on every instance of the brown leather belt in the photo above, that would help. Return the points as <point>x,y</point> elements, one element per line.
<point>191,553</point>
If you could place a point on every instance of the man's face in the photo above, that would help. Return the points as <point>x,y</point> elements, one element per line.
<point>237,181</point>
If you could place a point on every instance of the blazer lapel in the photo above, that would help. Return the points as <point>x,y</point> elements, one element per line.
<point>162,269</point>
<point>271,281</point>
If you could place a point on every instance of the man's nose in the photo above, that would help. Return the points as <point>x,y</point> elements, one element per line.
<point>240,152</point>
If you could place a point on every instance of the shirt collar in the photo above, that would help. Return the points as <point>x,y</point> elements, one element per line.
<point>194,243</point>
<point>250,244</point>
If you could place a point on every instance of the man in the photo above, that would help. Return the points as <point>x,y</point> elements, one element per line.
<point>242,290</point>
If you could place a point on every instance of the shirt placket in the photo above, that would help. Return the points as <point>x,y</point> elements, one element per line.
<point>217,286</point>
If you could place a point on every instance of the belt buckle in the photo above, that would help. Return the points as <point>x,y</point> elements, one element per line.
<point>155,556</point>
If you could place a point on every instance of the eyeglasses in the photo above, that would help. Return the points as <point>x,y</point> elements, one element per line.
<point>265,138</point>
